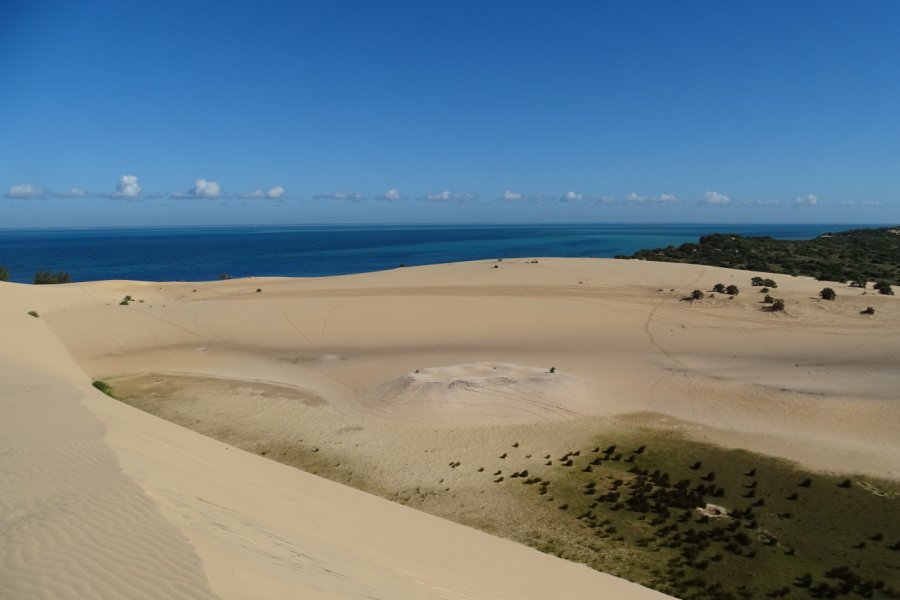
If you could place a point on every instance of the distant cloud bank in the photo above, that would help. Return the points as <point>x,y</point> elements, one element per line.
<point>24,191</point>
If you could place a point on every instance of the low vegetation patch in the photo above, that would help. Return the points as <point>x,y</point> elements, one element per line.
<point>46,277</point>
<point>104,387</point>
<point>858,255</point>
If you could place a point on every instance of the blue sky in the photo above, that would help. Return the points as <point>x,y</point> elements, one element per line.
<point>164,113</point>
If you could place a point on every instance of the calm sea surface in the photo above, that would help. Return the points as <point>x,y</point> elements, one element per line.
<point>203,253</point>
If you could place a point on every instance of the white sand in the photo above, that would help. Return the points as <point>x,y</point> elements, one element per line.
<point>102,500</point>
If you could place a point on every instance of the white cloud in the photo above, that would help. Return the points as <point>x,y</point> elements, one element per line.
<point>511,196</point>
<point>72,193</point>
<point>448,196</point>
<point>634,198</point>
<point>127,187</point>
<point>272,193</point>
<point>392,195</point>
<point>861,202</point>
<point>667,199</point>
<point>606,200</point>
<point>764,202</point>
<point>339,196</point>
<point>715,198</point>
<point>203,188</point>
<point>571,196</point>
<point>807,200</point>
<point>25,190</point>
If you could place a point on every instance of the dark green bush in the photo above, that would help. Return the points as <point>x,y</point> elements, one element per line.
<point>827,294</point>
<point>697,295</point>
<point>719,288</point>
<point>884,287</point>
<point>104,387</point>
<point>732,290</point>
<point>46,277</point>
<point>777,305</point>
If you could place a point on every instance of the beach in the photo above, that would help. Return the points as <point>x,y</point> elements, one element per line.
<point>414,384</point>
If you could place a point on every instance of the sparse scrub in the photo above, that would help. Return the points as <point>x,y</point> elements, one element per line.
<point>46,277</point>
<point>884,288</point>
<point>719,288</point>
<point>868,311</point>
<point>732,290</point>
<point>34,314</point>
<point>104,387</point>
<point>827,294</point>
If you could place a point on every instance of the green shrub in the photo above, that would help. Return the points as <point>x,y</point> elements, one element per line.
<point>4,274</point>
<point>34,314</point>
<point>869,311</point>
<point>732,290</point>
<point>859,283</point>
<point>757,281</point>
<point>777,305</point>
<point>719,288</point>
<point>46,277</point>
<point>126,301</point>
<point>827,294</point>
<point>884,287</point>
<point>104,387</point>
<point>697,295</point>
<point>768,299</point>
<point>770,283</point>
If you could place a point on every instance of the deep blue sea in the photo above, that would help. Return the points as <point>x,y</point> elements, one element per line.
<point>203,253</point>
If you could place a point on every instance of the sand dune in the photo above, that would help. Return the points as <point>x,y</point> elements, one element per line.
<point>107,501</point>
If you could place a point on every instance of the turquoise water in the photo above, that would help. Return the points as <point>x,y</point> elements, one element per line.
<point>197,254</point>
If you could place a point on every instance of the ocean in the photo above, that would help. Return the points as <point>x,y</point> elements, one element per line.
<point>204,253</point>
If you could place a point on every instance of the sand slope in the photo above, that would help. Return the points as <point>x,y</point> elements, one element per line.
<point>101,500</point>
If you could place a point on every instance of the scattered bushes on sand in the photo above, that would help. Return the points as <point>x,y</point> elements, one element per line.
<point>4,274</point>
<point>126,301</point>
<point>869,311</point>
<point>46,277</point>
<point>765,290</point>
<point>732,290</point>
<point>859,283</point>
<point>719,288</point>
<point>697,295</point>
<point>827,294</point>
<point>553,369</point>
<point>35,314</point>
<point>104,387</point>
<point>777,305</point>
<point>759,281</point>
<point>768,299</point>
<point>884,287</point>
